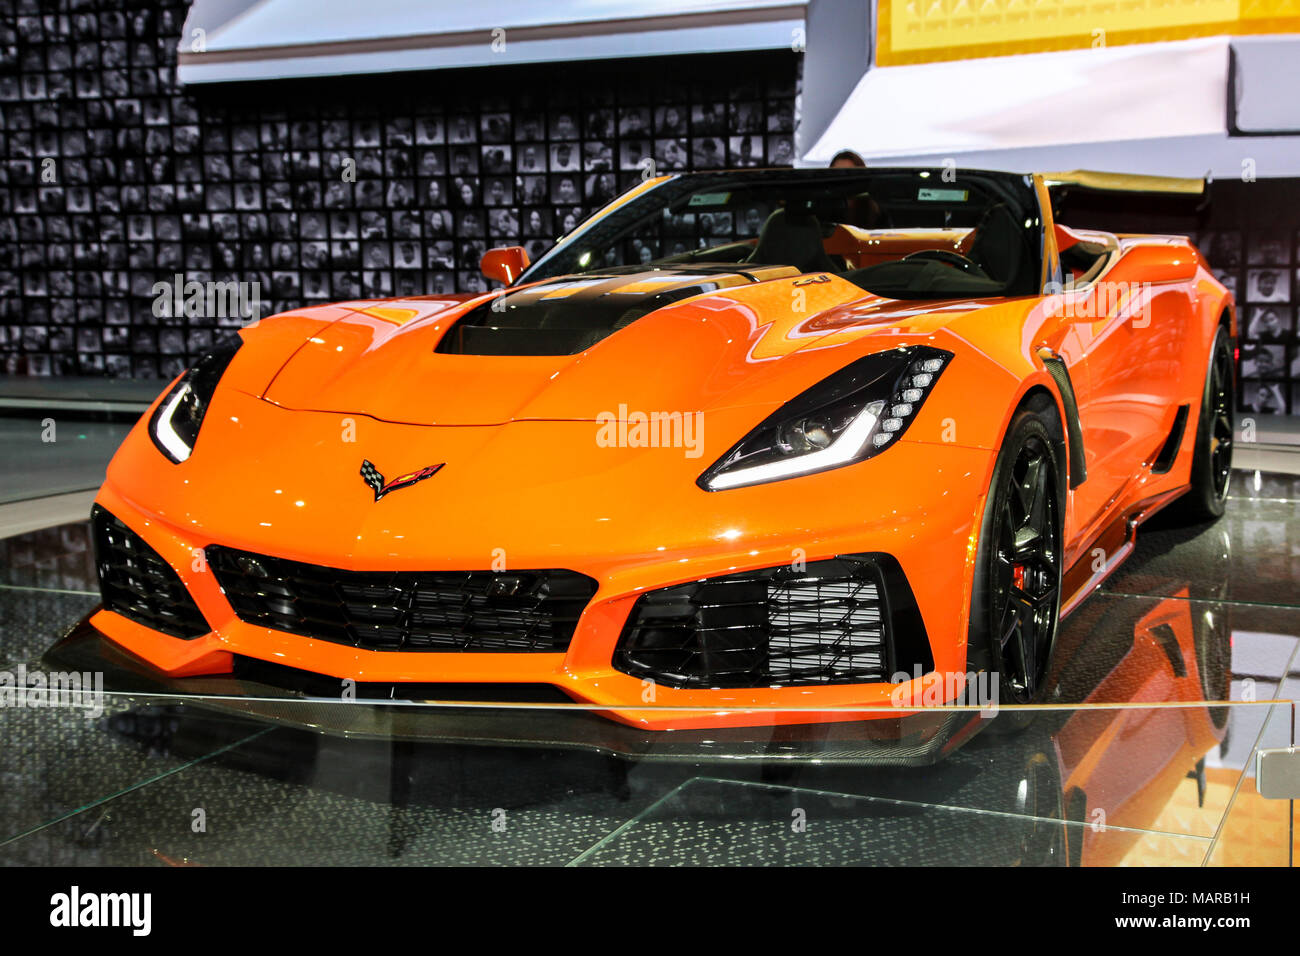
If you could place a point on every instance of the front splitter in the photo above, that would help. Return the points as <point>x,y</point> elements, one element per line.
<point>915,740</point>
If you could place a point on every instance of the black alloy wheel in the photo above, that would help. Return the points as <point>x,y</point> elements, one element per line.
<point>1207,493</point>
<point>1025,598</point>
<point>1221,430</point>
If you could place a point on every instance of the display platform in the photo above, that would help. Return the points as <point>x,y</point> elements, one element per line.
<point>1167,681</point>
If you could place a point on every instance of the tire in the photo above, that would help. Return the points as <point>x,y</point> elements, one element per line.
<point>1212,457</point>
<point>1016,598</point>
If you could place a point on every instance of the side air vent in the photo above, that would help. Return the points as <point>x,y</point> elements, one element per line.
<point>1169,450</point>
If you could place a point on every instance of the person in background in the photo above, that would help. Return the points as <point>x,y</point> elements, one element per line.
<point>864,211</point>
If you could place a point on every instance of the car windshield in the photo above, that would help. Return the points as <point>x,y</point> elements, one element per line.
<point>900,233</point>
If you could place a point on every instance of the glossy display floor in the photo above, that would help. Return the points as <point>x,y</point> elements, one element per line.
<point>1167,681</point>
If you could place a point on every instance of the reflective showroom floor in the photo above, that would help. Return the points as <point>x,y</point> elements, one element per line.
<point>1167,681</point>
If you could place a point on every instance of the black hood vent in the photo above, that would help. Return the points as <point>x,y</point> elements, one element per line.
<point>570,314</point>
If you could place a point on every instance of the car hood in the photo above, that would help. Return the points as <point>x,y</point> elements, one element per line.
<point>690,339</point>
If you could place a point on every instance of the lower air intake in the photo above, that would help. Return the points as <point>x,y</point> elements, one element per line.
<point>137,583</point>
<point>845,620</point>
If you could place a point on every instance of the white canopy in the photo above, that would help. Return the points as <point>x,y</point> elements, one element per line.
<point>1158,108</point>
<point>267,39</point>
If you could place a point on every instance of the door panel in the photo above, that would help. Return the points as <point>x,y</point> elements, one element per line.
<point>1132,341</point>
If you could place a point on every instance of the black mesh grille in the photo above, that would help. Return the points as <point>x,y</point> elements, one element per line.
<point>137,583</point>
<point>829,623</point>
<point>403,610</point>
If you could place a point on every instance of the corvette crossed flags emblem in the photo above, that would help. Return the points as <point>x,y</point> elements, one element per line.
<point>375,480</point>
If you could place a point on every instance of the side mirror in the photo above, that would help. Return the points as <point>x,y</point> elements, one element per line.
<point>505,264</point>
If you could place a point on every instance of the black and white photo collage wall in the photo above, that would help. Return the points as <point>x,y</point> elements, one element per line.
<point>115,178</point>
<point>1254,249</point>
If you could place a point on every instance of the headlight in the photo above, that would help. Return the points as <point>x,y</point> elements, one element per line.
<point>174,427</point>
<point>851,415</point>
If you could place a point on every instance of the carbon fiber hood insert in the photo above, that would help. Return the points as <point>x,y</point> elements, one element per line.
<point>570,314</point>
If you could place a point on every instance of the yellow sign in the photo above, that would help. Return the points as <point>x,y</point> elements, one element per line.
<point>923,31</point>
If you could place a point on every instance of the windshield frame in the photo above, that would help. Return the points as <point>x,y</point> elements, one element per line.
<point>626,212</point>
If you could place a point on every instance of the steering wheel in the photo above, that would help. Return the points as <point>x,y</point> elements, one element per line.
<point>956,260</point>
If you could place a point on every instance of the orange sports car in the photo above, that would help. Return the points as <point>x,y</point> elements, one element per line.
<point>744,448</point>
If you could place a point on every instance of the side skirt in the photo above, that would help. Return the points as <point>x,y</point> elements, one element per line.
<point>1115,543</point>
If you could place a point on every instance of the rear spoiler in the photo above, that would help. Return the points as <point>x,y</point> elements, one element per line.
<point>1127,202</point>
<point>1124,182</point>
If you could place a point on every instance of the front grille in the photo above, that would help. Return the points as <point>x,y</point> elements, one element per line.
<point>832,622</point>
<point>486,611</point>
<point>137,583</point>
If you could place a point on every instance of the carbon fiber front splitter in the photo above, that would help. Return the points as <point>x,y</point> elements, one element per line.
<point>914,740</point>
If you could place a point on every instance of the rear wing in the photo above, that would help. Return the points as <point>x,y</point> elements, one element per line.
<point>1127,202</point>
<point>1123,182</point>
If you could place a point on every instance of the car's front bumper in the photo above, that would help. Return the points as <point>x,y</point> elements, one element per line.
<point>622,517</point>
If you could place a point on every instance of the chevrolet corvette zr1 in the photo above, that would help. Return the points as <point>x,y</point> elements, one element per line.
<point>925,419</point>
